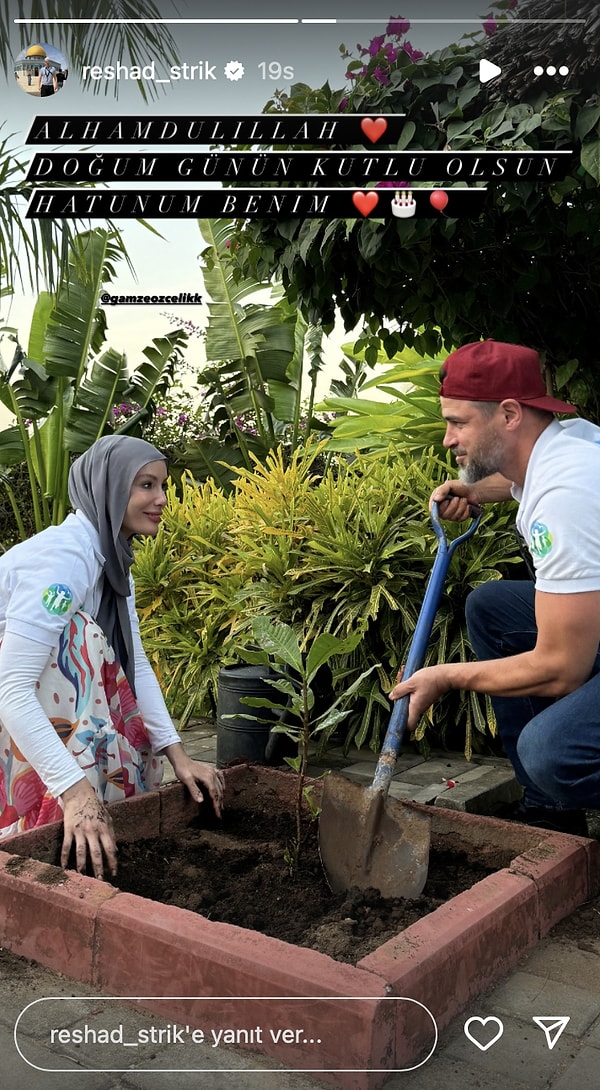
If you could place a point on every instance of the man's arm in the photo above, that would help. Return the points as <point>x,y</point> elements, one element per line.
<point>562,659</point>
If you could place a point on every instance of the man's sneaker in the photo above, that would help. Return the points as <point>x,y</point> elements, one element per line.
<point>559,821</point>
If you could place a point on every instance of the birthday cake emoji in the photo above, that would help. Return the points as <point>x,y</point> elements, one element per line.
<point>403,204</point>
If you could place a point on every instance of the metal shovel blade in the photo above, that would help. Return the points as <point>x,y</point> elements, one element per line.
<point>367,839</point>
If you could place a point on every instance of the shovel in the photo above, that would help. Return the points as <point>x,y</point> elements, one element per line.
<point>367,840</point>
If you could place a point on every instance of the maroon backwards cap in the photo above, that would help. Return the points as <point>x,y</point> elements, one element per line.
<point>493,371</point>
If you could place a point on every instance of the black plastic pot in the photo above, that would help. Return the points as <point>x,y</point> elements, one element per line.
<point>238,737</point>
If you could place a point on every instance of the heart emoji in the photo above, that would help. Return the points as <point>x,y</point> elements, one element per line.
<point>365,202</point>
<point>438,199</point>
<point>482,1022</point>
<point>373,128</point>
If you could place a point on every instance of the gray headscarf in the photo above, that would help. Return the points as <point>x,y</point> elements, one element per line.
<point>100,485</point>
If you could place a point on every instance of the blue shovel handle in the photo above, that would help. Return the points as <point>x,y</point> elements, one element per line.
<point>416,655</point>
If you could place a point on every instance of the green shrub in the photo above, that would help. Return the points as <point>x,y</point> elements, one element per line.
<point>184,595</point>
<point>348,552</point>
<point>17,512</point>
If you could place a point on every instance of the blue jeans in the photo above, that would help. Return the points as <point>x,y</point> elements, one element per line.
<point>553,745</point>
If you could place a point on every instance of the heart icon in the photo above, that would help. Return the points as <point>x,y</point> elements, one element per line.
<point>438,199</point>
<point>365,202</point>
<point>483,1023</point>
<point>373,128</point>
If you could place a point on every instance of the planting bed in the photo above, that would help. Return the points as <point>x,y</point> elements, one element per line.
<point>362,1020</point>
<point>238,874</point>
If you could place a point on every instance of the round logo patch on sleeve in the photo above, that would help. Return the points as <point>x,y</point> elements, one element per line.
<point>58,598</point>
<point>541,539</point>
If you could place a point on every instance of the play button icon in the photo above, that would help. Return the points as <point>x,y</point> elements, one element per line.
<point>488,71</point>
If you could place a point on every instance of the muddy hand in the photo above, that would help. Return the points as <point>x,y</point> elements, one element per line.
<point>210,778</point>
<point>190,773</point>
<point>87,823</point>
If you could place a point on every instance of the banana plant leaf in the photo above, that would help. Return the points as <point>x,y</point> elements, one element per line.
<point>252,343</point>
<point>63,393</point>
<point>25,387</point>
<point>12,450</point>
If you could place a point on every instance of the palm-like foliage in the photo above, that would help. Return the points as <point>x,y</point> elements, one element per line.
<point>36,251</point>
<point>33,251</point>
<point>63,389</point>
<point>123,35</point>
<point>256,359</point>
<point>410,414</point>
<point>251,343</point>
<point>553,30</point>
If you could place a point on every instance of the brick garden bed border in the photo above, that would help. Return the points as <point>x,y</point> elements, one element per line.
<point>95,934</point>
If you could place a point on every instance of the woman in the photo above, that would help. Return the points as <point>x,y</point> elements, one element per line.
<point>82,718</point>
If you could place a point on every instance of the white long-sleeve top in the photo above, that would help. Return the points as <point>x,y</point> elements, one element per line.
<point>43,581</point>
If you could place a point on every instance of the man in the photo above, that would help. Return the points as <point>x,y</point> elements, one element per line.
<point>47,83</point>
<point>537,645</point>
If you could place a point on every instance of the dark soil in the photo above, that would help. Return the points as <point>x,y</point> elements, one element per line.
<point>238,873</point>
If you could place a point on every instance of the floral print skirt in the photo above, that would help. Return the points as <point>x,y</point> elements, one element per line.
<point>89,702</point>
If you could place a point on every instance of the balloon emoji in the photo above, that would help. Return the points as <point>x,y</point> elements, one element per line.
<point>439,199</point>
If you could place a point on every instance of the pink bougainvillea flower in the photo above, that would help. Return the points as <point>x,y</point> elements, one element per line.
<point>380,75</point>
<point>392,185</point>
<point>376,44</point>
<point>414,54</point>
<point>343,104</point>
<point>397,27</point>
<point>490,26</point>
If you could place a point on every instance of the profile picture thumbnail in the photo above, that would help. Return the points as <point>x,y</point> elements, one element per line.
<point>41,70</point>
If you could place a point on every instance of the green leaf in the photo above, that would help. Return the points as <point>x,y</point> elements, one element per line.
<point>323,649</point>
<point>11,447</point>
<point>590,158</point>
<point>39,322</point>
<point>279,640</point>
<point>160,356</point>
<point>331,719</point>
<point>370,239</point>
<point>75,326</point>
<point>407,135</point>
<point>587,118</point>
<point>253,656</point>
<point>259,702</point>
<point>250,344</point>
<point>25,388</point>
<point>94,396</point>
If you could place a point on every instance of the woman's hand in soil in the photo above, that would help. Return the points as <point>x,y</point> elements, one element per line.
<point>190,772</point>
<point>423,688</point>
<point>88,823</point>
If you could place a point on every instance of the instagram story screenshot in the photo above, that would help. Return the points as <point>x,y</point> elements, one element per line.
<point>299,392</point>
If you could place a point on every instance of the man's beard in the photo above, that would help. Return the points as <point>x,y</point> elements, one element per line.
<point>484,462</point>
<point>475,471</point>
